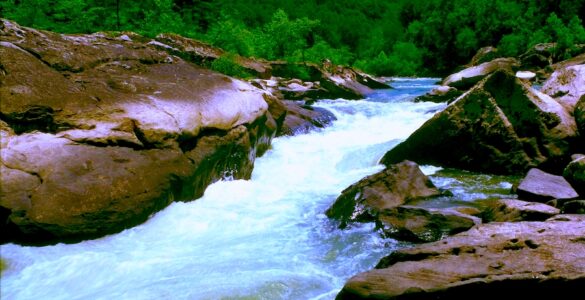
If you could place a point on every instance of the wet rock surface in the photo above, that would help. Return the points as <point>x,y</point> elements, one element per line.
<point>512,210</point>
<point>396,185</point>
<point>417,224</point>
<point>535,259</point>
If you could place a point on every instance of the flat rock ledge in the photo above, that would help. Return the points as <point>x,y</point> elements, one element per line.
<point>538,260</point>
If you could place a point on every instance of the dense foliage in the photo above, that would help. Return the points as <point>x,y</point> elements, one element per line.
<point>386,37</point>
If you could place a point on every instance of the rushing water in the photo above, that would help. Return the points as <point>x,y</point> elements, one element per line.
<point>265,238</point>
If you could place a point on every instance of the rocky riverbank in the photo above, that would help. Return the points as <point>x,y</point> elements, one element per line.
<point>100,131</point>
<point>496,122</point>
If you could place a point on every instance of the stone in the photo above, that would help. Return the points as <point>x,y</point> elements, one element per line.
<point>538,260</point>
<point>574,173</point>
<point>467,78</point>
<point>98,133</point>
<point>541,186</point>
<point>417,224</point>
<point>302,119</point>
<point>396,185</point>
<point>440,94</point>
<point>501,126</point>
<point>566,85</point>
<point>512,210</point>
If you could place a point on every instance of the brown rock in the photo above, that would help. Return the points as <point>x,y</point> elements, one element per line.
<point>500,126</point>
<point>467,78</point>
<point>100,132</point>
<point>538,260</point>
<point>302,119</point>
<point>417,224</point>
<point>511,210</point>
<point>540,186</point>
<point>396,185</point>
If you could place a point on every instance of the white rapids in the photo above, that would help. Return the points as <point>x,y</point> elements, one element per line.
<point>264,238</point>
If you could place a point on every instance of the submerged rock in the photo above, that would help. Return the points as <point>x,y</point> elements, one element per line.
<point>99,132</point>
<point>396,185</point>
<point>538,260</point>
<point>417,224</point>
<point>512,210</point>
<point>467,78</point>
<point>541,186</point>
<point>500,126</point>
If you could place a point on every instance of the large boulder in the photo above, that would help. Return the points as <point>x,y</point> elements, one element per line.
<point>302,119</point>
<point>538,260</point>
<point>500,126</point>
<point>574,173</point>
<point>467,78</point>
<point>98,132</point>
<point>542,187</point>
<point>396,185</point>
<point>512,210</point>
<point>566,85</point>
<point>417,224</point>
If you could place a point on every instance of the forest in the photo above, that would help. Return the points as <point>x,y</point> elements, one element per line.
<point>383,37</point>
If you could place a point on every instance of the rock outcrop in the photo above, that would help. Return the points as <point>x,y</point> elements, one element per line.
<point>334,81</point>
<point>100,131</point>
<point>396,185</point>
<point>467,78</point>
<point>542,187</point>
<point>500,126</point>
<point>538,260</point>
<point>566,85</point>
<point>204,54</point>
<point>512,210</point>
<point>417,224</point>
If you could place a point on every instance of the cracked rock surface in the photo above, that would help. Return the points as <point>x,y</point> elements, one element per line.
<point>99,131</point>
<point>537,260</point>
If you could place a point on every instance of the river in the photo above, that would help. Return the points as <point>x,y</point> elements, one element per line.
<point>264,238</point>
